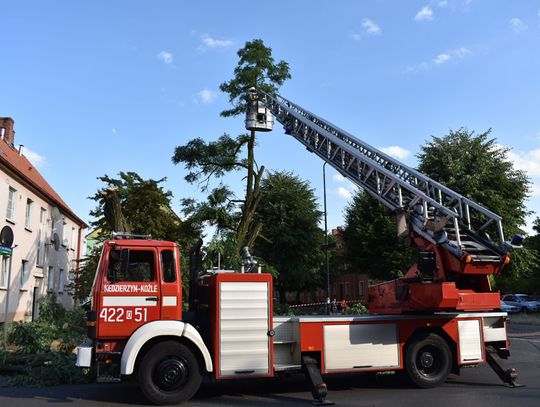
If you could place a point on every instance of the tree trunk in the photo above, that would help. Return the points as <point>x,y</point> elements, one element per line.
<point>113,211</point>
<point>253,197</point>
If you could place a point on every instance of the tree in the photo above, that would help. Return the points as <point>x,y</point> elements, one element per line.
<point>478,168</point>
<point>256,68</point>
<point>371,242</point>
<point>140,206</point>
<point>291,238</point>
<point>145,205</point>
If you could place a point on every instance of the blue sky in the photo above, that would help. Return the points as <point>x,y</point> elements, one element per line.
<point>101,87</point>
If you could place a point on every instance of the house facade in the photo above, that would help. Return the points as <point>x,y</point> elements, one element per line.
<point>41,239</point>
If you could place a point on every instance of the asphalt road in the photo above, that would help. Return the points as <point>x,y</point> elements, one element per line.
<point>474,387</point>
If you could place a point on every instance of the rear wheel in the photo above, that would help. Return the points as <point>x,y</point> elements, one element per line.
<point>428,360</point>
<point>169,373</point>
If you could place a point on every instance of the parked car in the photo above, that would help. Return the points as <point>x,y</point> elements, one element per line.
<point>522,301</point>
<point>511,309</point>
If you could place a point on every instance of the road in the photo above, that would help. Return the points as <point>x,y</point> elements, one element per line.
<point>477,386</point>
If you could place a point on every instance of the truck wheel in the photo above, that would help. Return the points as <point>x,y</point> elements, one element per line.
<point>169,373</point>
<point>428,361</point>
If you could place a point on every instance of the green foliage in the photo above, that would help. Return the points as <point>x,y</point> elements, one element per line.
<point>31,337</point>
<point>371,242</point>
<point>355,309</point>
<point>256,68</point>
<point>291,237</point>
<point>478,168</point>
<point>56,369</point>
<point>213,159</point>
<point>144,203</point>
<point>55,324</point>
<point>147,208</point>
<point>84,277</point>
<point>521,275</point>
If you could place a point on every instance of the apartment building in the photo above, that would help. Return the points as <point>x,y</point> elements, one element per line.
<point>45,235</point>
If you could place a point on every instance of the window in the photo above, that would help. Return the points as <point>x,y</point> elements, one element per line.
<point>64,235</point>
<point>10,214</point>
<point>50,279</point>
<point>40,257</point>
<point>139,265</point>
<point>168,268</point>
<point>61,281</point>
<point>360,289</point>
<point>28,217</point>
<point>4,270</point>
<point>24,274</point>
<point>73,239</point>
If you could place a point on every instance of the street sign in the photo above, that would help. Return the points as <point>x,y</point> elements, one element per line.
<point>6,251</point>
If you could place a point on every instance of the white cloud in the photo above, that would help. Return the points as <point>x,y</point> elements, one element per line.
<point>528,161</point>
<point>396,151</point>
<point>38,160</point>
<point>205,96</point>
<point>210,42</point>
<point>338,177</point>
<point>461,52</point>
<point>165,57</point>
<point>356,37</point>
<point>442,3</point>
<point>441,59</point>
<point>517,25</point>
<point>344,193</point>
<point>425,14</point>
<point>114,130</point>
<point>370,27</point>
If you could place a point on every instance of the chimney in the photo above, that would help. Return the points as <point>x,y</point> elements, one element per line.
<point>6,130</point>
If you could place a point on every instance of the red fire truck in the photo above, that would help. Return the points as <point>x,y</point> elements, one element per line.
<point>440,317</point>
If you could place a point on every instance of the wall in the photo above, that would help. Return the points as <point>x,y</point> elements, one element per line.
<point>27,246</point>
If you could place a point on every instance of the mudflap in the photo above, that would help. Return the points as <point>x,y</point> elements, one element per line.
<point>508,376</point>
<point>318,386</point>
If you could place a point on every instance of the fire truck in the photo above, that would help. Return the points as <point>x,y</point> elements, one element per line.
<point>440,317</point>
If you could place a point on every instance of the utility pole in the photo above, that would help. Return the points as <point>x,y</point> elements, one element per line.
<point>326,242</point>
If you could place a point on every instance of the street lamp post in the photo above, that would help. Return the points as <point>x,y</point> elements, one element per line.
<point>326,241</point>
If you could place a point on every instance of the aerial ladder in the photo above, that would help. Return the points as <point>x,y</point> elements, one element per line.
<point>456,253</point>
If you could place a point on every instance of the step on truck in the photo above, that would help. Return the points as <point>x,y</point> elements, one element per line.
<point>441,316</point>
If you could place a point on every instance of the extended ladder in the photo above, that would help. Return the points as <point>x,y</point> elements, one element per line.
<point>434,211</point>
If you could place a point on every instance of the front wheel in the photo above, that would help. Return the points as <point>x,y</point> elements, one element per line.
<point>428,360</point>
<point>169,373</point>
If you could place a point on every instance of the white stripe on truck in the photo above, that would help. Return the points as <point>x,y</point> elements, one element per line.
<point>169,300</point>
<point>128,301</point>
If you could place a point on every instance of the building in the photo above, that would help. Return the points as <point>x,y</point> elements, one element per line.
<point>46,235</point>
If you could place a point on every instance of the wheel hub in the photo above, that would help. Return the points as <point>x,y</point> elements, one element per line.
<point>426,359</point>
<point>171,374</point>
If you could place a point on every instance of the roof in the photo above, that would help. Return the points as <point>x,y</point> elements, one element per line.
<point>23,168</point>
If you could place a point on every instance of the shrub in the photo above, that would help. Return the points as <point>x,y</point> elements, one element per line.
<point>56,369</point>
<point>355,309</point>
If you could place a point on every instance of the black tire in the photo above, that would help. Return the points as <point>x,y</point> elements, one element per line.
<point>428,360</point>
<point>169,373</point>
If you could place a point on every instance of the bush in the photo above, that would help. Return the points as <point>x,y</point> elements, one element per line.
<point>56,369</point>
<point>31,337</point>
<point>355,309</point>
